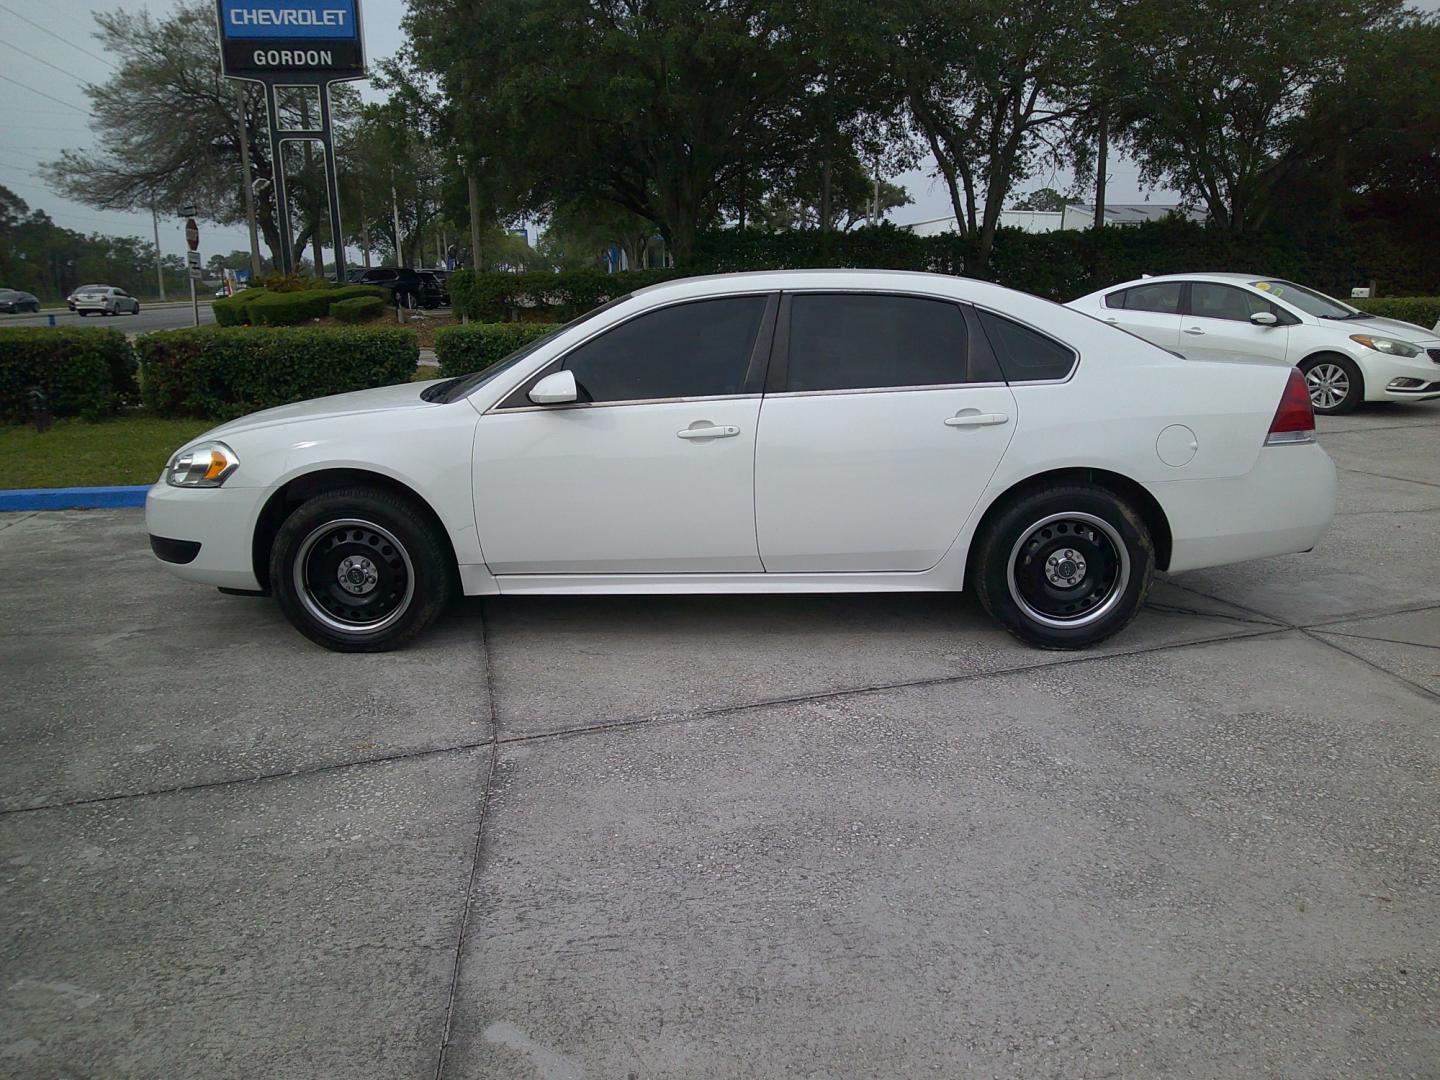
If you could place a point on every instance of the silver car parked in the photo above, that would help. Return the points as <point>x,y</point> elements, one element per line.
<point>106,300</point>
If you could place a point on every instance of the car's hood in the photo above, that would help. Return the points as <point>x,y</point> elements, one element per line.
<point>1373,324</point>
<point>379,399</point>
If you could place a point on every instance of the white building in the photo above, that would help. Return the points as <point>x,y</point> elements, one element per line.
<point>1074,216</point>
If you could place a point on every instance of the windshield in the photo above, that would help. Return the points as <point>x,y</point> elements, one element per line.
<point>1307,300</point>
<point>466,384</point>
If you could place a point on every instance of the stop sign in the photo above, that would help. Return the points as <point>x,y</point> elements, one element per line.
<point>192,234</point>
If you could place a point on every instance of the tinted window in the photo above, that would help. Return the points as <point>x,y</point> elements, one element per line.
<point>1163,298</point>
<point>854,342</point>
<point>1026,355</point>
<point>1211,301</point>
<point>689,350</point>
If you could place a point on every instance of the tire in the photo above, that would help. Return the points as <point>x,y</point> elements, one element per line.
<point>399,567</point>
<point>1028,578</point>
<point>1335,383</point>
<point>136,309</point>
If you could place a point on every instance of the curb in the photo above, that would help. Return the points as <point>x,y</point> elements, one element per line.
<point>81,498</point>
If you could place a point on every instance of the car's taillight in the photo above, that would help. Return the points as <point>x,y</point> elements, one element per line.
<point>1295,419</point>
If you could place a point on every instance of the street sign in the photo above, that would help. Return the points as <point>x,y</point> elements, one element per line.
<point>192,260</point>
<point>189,211</point>
<point>192,234</point>
<point>288,37</point>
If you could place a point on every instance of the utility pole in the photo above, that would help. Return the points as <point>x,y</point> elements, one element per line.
<point>249,192</point>
<point>395,217</point>
<point>473,189</point>
<point>159,266</point>
<point>1100,165</point>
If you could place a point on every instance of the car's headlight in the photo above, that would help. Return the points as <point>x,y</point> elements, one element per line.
<point>204,465</point>
<point>1389,346</point>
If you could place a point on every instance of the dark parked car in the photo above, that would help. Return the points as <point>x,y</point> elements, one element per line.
<point>437,279</point>
<point>13,301</point>
<point>407,285</point>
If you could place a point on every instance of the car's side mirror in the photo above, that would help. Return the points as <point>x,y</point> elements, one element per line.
<point>1264,318</point>
<point>557,388</point>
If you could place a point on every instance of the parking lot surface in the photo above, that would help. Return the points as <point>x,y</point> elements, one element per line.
<point>714,836</point>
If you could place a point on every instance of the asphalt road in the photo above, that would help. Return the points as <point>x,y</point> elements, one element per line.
<point>168,316</point>
<point>698,837</point>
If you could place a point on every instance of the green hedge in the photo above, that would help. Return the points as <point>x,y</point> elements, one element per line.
<point>81,372</point>
<point>1420,310</point>
<point>223,372</point>
<point>463,349</point>
<point>262,307</point>
<point>543,297</point>
<point>358,309</point>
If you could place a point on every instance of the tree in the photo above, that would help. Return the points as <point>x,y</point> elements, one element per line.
<point>988,85</point>
<point>168,127</point>
<point>655,106</point>
<point>1241,94</point>
<point>1045,199</point>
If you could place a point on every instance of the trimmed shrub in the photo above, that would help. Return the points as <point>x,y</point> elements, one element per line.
<point>358,309</point>
<point>261,307</point>
<point>1420,310</point>
<point>544,297</point>
<point>224,372</point>
<point>81,372</point>
<point>463,349</point>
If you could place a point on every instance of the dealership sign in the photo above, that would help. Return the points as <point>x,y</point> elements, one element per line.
<point>314,38</point>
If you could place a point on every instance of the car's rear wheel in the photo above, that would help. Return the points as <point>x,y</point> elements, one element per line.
<point>1064,567</point>
<point>360,570</point>
<point>1334,382</point>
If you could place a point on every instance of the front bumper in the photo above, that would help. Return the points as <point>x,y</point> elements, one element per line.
<point>220,520</point>
<point>1421,375</point>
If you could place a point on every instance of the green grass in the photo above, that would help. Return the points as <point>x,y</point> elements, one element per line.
<point>73,453</point>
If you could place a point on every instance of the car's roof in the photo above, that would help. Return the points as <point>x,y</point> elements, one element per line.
<point>1215,275</point>
<point>898,280</point>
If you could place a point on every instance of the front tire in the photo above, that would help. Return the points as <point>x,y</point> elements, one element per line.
<point>1335,384</point>
<point>1064,567</point>
<point>360,570</point>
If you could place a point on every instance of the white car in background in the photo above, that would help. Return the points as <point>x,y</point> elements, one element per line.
<point>786,432</point>
<point>1345,355</point>
<point>104,300</point>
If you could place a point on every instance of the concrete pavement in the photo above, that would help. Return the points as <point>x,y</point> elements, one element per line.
<point>697,837</point>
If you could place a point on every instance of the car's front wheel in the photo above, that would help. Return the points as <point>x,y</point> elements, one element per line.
<point>1064,567</point>
<point>1334,382</point>
<point>360,570</point>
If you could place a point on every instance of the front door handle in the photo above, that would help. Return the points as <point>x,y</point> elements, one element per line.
<point>708,431</point>
<point>1194,330</point>
<point>974,419</point>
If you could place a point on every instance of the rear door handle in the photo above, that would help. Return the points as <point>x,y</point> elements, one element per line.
<point>708,431</point>
<point>1193,330</point>
<point>984,419</point>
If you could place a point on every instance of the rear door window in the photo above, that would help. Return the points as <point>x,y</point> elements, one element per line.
<point>1162,298</point>
<point>859,341</point>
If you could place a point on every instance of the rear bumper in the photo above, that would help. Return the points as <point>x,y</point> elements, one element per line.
<point>1281,506</point>
<point>215,527</point>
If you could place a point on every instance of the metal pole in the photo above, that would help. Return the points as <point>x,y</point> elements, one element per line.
<point>332,185</point>
<point>1100,166</point>
<point>245,184</point>
<point>194,299</point>
<point>277,167</point>
<point>159,266</point>
<point>474,193</point>
<point>395,217</point>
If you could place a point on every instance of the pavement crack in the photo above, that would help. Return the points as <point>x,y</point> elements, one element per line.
<point>475,854</point>
<point>1388,476</point>
<point>1328,643</point>
<point>1372,637</point>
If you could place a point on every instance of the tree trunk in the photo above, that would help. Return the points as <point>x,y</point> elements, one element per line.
<point>825,198</point>
<point>1100,165</point>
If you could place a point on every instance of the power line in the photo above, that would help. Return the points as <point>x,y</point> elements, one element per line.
<point>42,93</point>
<point>38,60</point>
<point>57,37</point>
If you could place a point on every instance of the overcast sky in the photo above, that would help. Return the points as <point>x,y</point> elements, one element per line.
<point>47,52</point>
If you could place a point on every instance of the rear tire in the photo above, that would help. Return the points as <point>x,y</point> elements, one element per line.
<point>1064,567</point>
<point>360,570</point>
<point>1335,383</point>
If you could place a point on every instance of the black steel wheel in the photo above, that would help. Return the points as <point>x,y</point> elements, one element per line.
<point>1064,567</point>
<point>360,570</point>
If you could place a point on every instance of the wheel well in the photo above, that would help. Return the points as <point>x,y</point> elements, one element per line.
<point>1360,375</point>
<point>286,498</point>
<point>1144,503</point>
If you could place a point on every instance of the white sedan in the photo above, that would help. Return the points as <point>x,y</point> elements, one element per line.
<point>1345,355</point>
<point>805,431</point>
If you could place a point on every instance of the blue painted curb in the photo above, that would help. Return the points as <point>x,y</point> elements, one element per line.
<point>81,498</point>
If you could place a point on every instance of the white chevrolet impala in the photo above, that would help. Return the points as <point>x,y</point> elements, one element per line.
<point>803,431</point>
